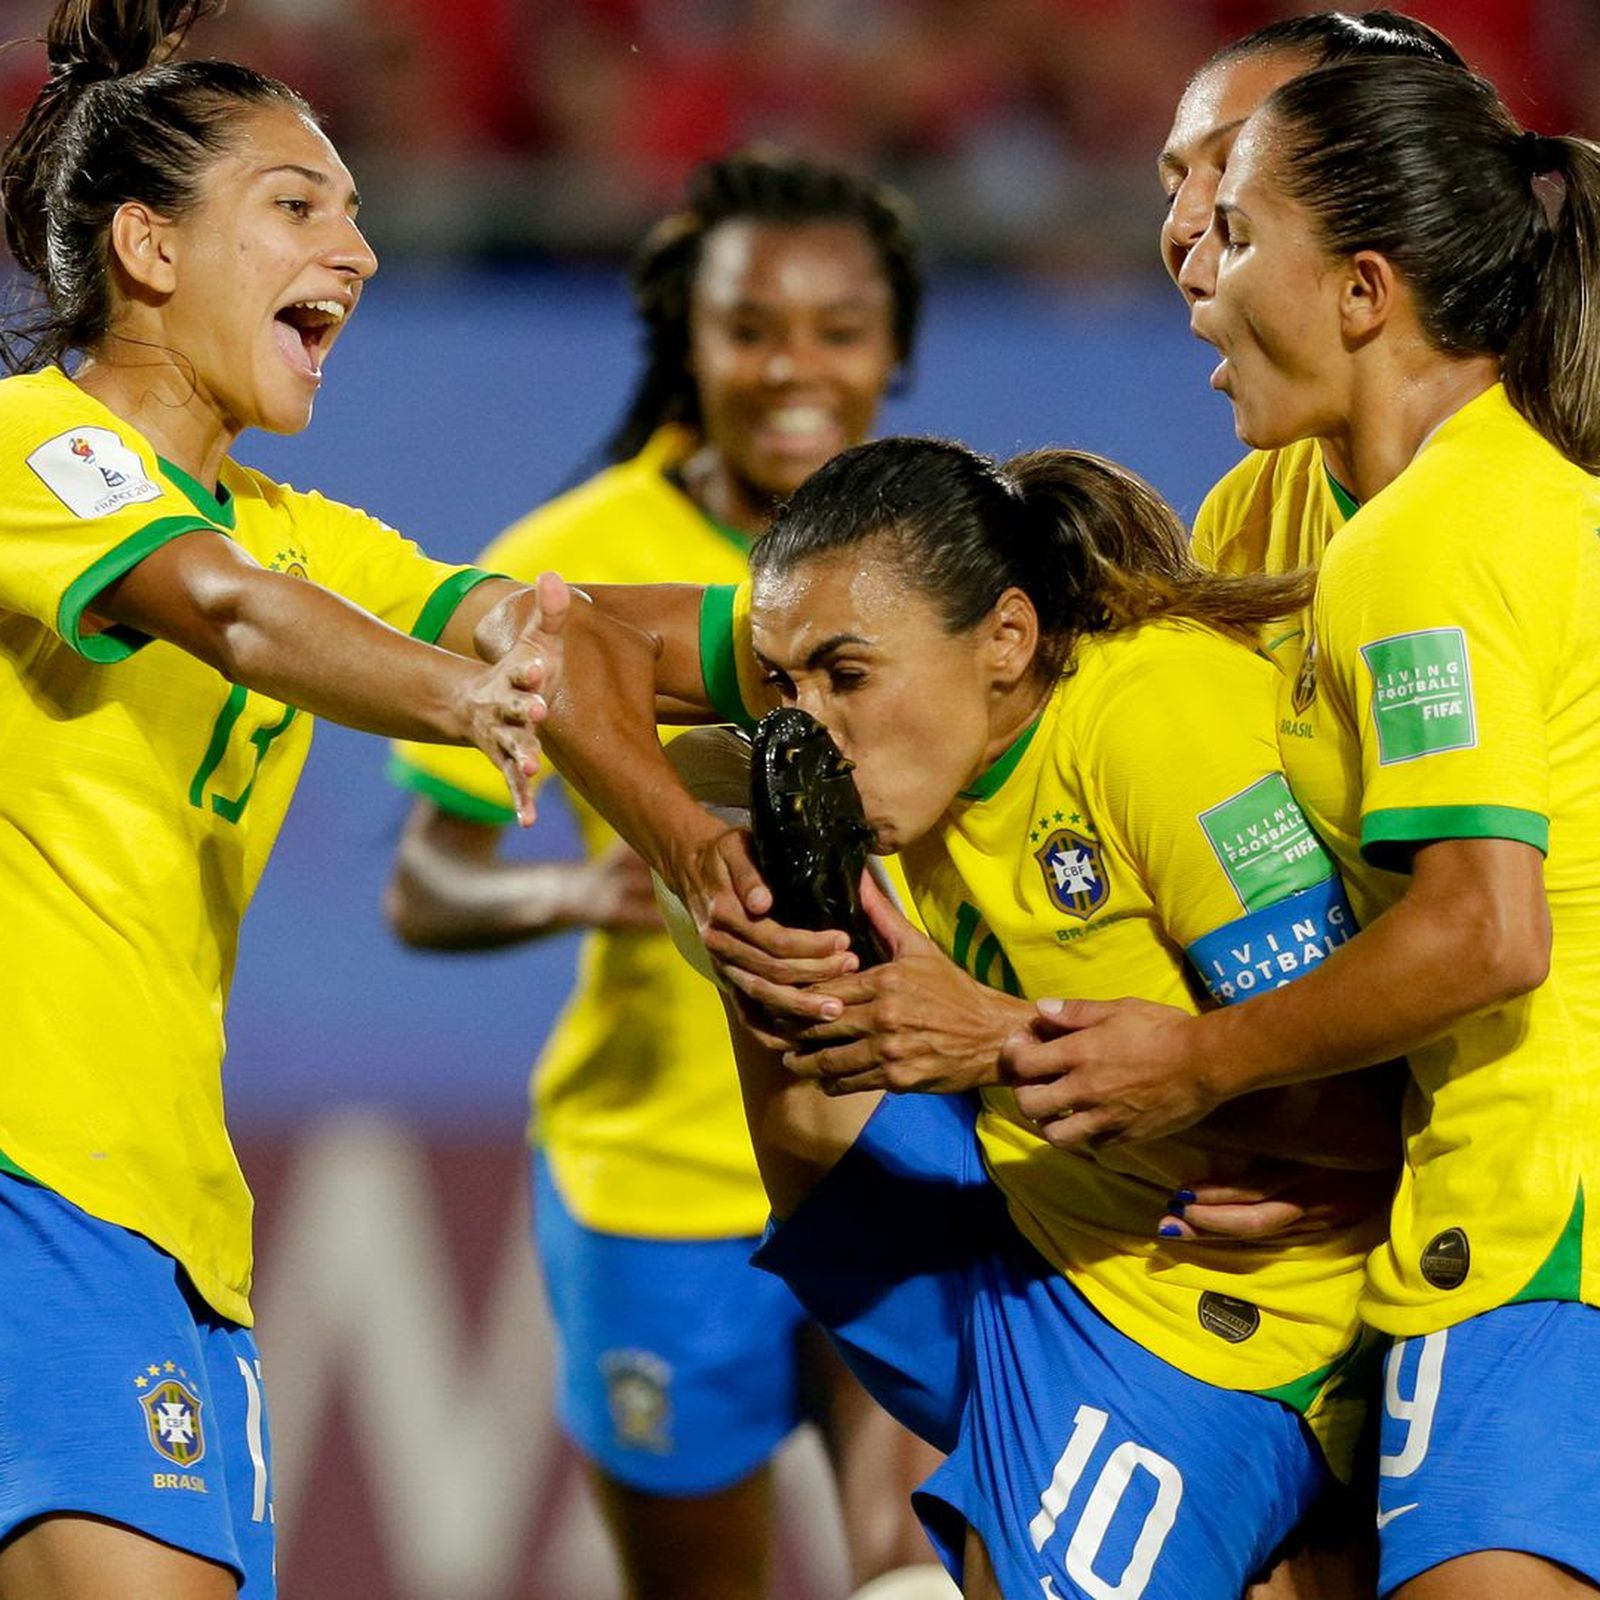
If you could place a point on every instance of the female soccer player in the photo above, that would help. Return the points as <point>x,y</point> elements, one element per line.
<point>1276,510</point>
<point>777,306</point>
<point>1396,264</point>
<point>165,618</point>
<point>1056,720</point>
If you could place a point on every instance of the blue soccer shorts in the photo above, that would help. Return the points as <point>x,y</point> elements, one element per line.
<point>1490,1440</point>
<point>679,1370</point>
<point>122,1394</point>
<point>1087,1466</point>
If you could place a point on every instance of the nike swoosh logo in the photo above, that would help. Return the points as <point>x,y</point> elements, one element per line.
<point>1386,1517</point>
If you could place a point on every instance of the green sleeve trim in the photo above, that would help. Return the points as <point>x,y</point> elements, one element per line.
<point>441,604</point>
<point>1561,1275</point>
<point>117,643</point>
<point>719,658</point>
<point>988,783</point>
<point>469,807</point>
<point>218,507</point>
<point>1385,835</point>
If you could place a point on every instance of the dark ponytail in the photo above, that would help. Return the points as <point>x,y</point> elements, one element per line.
<point>763,186</point>
<point>1091,544</point>
<point>116,120</point>
<point>1496,230</point>
<point>1552,364</point>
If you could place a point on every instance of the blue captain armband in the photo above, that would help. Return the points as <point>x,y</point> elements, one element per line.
<point>1275,945</point>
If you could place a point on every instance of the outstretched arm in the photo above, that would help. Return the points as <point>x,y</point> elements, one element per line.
<point>308,647</point>
<point>452,890</point>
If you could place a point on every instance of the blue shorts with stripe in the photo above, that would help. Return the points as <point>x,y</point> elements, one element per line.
<point>679,1362</point>
<point>1088,1466</point>
<point>122,1394</point>
<point>1490,1440</point>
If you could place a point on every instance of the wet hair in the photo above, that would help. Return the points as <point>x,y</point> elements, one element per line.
<point>1090,543</point>
<point>756,185</point>
<point>1495,229</point>
<point>116,120</point>
<point>1326,37</point>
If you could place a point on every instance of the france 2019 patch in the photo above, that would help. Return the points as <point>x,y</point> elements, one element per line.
<point>1265,844</point>
<point>92,472</point>
<point>1421,694</point>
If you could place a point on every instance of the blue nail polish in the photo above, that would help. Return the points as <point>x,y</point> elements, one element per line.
<point>1170,1230</point>
<point>1184,1197</point>
<point>1176,1206</point>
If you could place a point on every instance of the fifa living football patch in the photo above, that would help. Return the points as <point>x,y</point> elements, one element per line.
<point>92,472</point>
<point>1421,694</point>
<point>1264,843</point>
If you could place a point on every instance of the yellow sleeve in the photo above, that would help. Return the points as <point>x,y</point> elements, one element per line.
<point>556,537</point>
<point>1187,753</point>
<point>366,561</point>
<point>85,503</point>
<point>1439,649</point>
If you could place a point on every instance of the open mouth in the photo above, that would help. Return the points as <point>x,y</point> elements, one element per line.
<point>305,332</point>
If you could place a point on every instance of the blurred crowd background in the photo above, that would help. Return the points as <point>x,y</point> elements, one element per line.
<point>1025,129</point>
<point>511,153</point>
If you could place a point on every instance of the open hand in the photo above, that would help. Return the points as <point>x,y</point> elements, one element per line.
<point>503,705</point>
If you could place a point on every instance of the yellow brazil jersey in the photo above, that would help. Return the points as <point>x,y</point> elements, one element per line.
<point>1139,839</point>
<point>636,1099</point>
<point>1456,694</point>
<point>141,795</point>
<point>1274,512</point>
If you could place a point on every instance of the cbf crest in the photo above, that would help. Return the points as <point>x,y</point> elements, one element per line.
<point>638,1390</point>
<point>172,1415</point>
<point>1074,873</point>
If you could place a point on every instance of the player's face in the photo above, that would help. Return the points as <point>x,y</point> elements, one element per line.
<point>1207,122</point>
<point>846,638</point>
<point>791,347</point>
<point>1267,296</point>
<point>267,268</point>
